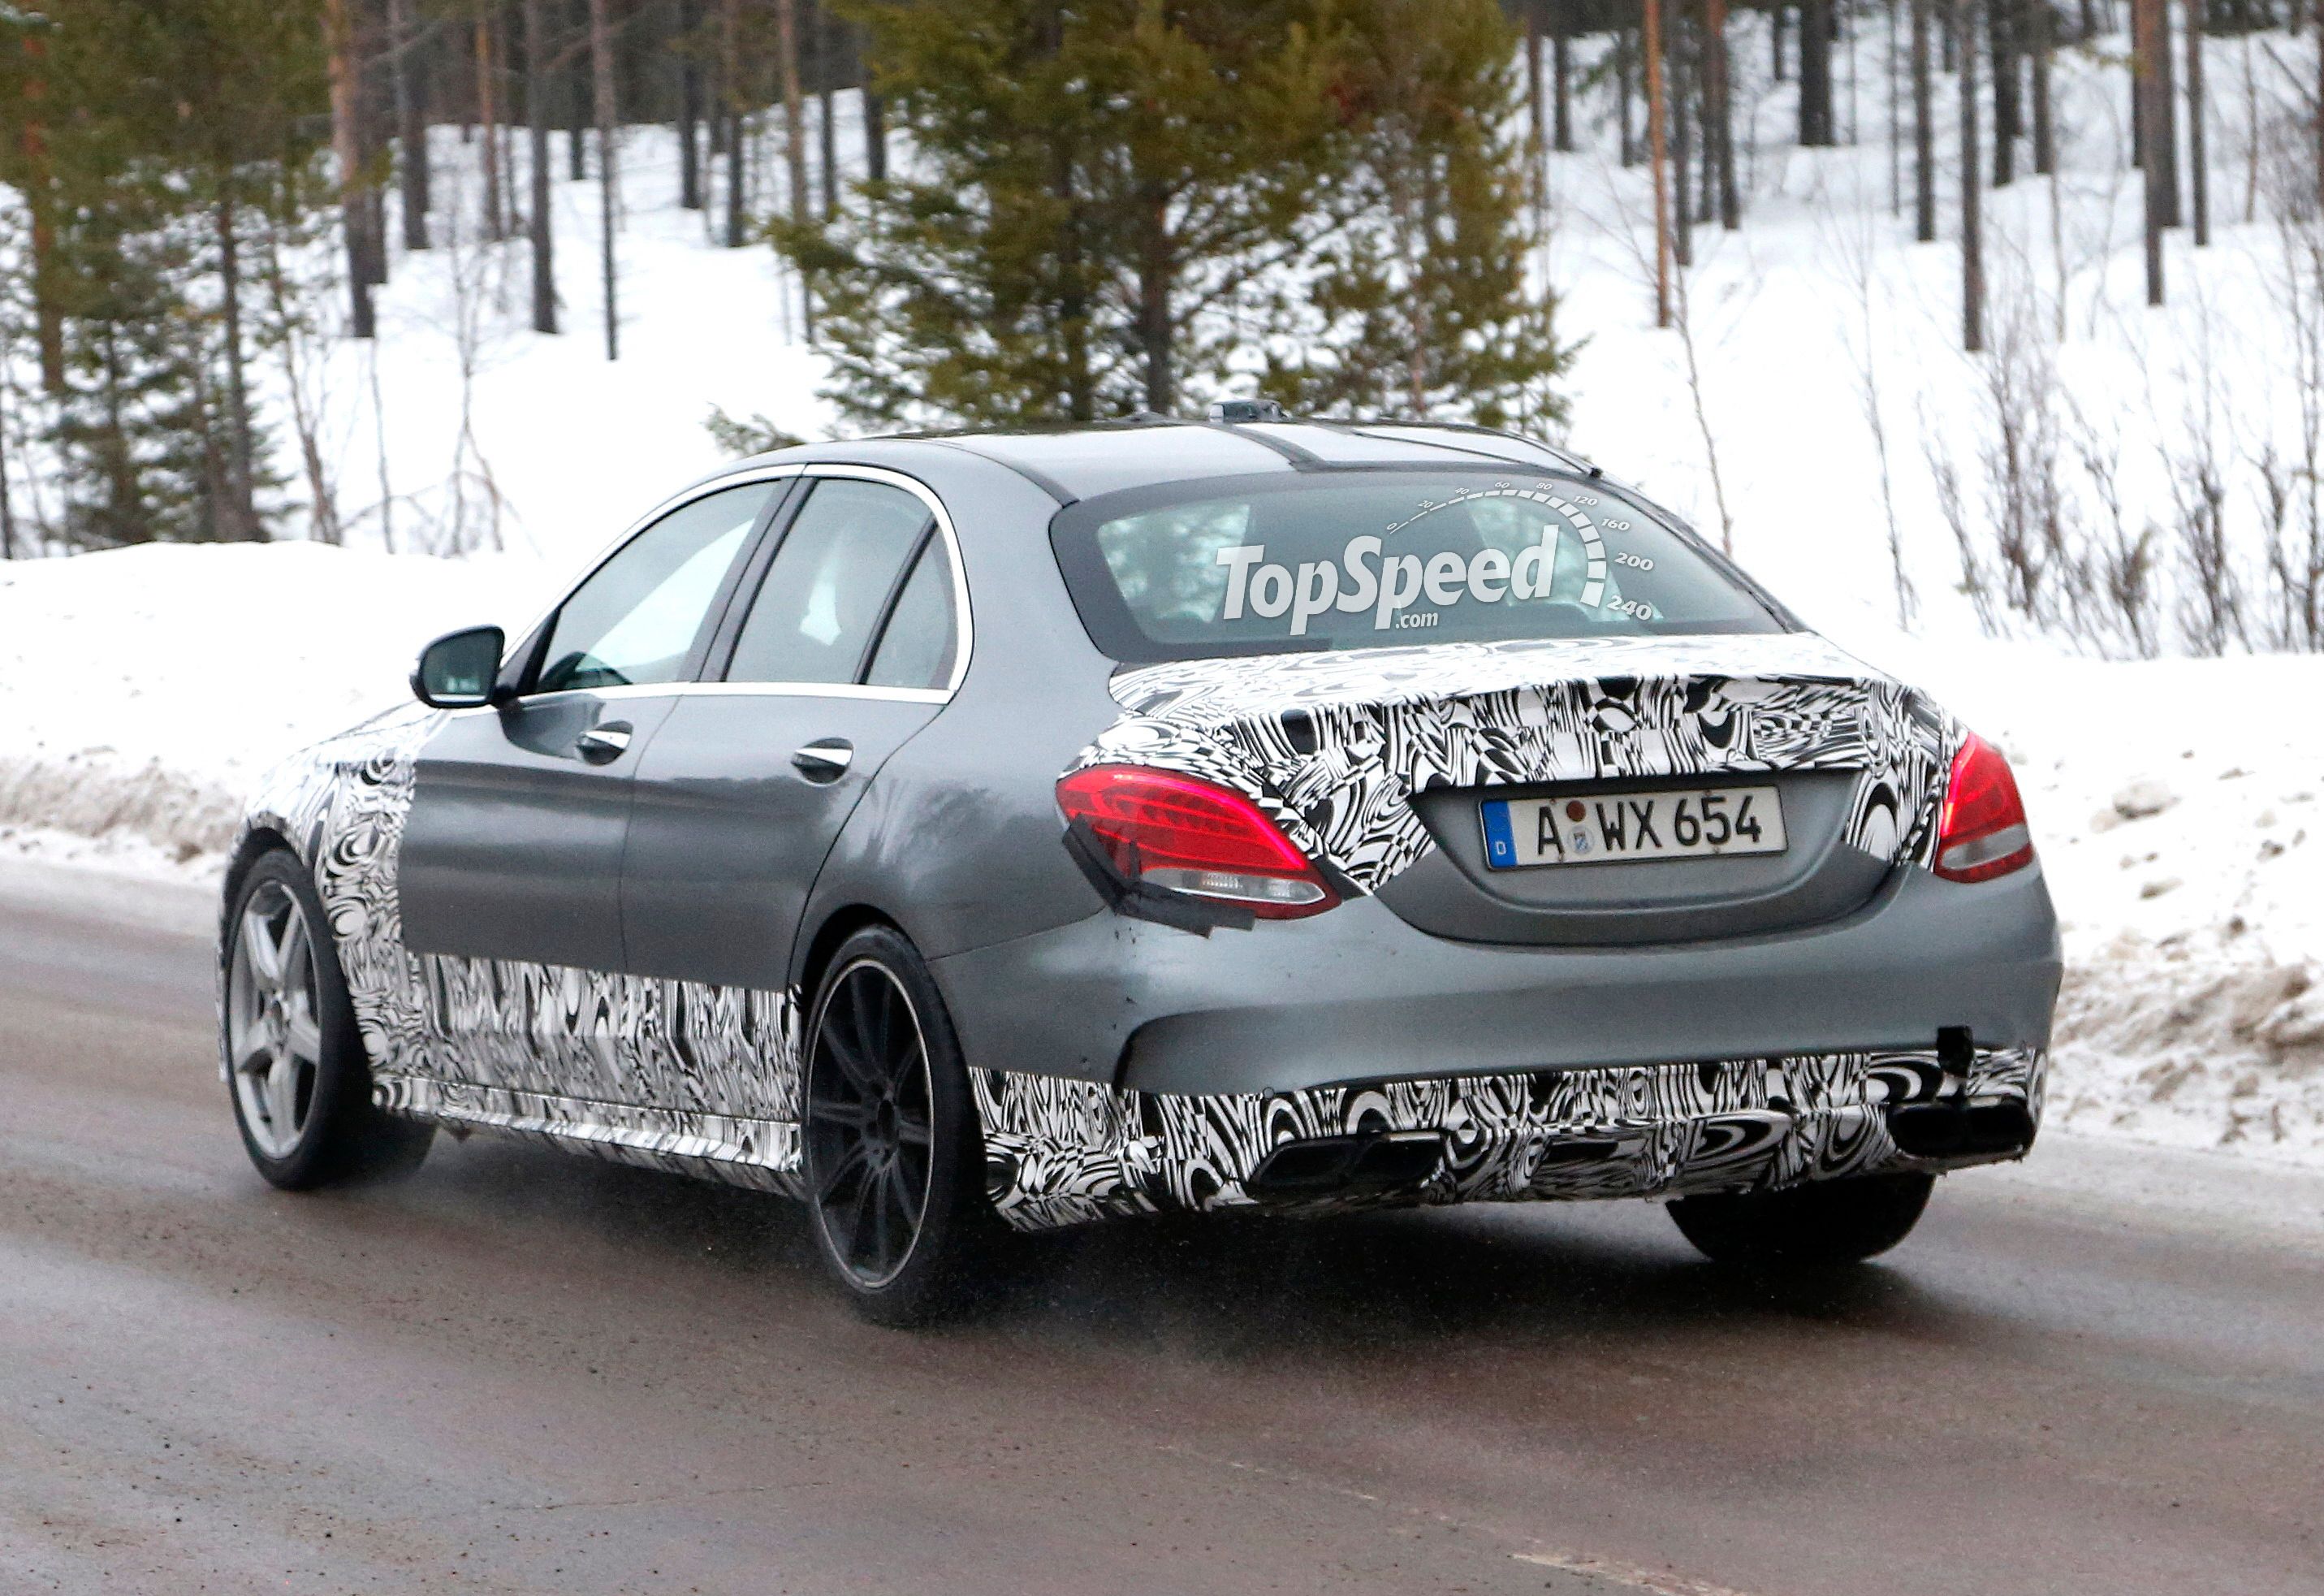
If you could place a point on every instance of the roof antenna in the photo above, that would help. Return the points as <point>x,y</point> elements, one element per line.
<point>1236,411</point>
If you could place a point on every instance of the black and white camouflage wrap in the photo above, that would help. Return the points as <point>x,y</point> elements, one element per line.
<point>674,1074</point>
<point>705,1080</point>
<point>1335,745</point>
<point>1061,1152</point>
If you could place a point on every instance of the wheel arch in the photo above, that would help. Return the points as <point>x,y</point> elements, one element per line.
<point>840,923</point>
<point>257,840</point>
<point>815,961</point>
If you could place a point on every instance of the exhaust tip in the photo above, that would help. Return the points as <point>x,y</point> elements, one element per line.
<point>1331,1165</point>
<point>1956,1131</point>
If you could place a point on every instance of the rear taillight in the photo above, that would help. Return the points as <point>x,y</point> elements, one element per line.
<point>1982,833</point>
<point>1182,835</point>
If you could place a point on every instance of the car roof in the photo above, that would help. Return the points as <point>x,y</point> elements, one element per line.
<point>1075,462</point>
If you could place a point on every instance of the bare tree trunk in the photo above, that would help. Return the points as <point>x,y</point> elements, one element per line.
<point>2145,44</point>
<point>411,125</point>
<point>1560,78</point>
<point>826,81</point>
<point>363,49</point>
<point>1157,331</point>
<point>1815,74</point>
<point>729,74</point>
<point>2163,110</point>
<point>1972,229</point>
<point>1895,116</point>
<point>1537,118</point>
<point>536,118</point>
<point>689,107</point>
<point>504,59</point>
<point>2198,176</point>
<point>1924,159</point>
<point>488,120</point>
<point>875,133</point>
<point>241,509</point>
<point>1654,152</point>
<point>1775,40</point>
<point>1722,116</point>
<point>7,505</point>
<point>795,141</point>
<point>2044,44</point>
<point>339,43</point>
<point>578,116</point>
<point>1682,98</point>
<point>601,69</point>
<point>2001,45</point>
<point>39,200</point>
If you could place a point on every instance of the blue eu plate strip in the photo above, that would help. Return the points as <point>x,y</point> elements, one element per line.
<point>1500,846</point>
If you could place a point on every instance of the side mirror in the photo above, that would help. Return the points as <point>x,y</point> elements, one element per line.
<point>458,669</point>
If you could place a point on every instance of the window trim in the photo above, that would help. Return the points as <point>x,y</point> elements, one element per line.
<point>763,542</point>
<point>762,561</point>
<point>536,636</point>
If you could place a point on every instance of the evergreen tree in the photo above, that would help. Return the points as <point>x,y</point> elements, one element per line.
<point>1101,195</point>
<point>1419,305</point>
<point>176,141</point>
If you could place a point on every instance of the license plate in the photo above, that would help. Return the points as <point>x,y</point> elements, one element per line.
<point>1524,832</point>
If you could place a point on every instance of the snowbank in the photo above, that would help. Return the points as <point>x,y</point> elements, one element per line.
<point>2179,805</point>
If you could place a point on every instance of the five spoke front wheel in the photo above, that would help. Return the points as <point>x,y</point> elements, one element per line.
<point>295,1066</point>
<point>274,1035</point>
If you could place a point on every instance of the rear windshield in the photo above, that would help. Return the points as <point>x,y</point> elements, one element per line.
<point>1385,559</point>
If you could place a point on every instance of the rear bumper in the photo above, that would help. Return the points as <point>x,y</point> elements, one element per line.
<point>1060,1152</point>
<point>1124,1067</point>
<point>1358,996</point>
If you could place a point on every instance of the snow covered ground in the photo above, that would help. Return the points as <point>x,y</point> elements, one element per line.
<point>2179,804</point>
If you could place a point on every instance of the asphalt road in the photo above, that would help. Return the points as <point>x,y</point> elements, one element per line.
<point>2102,1372</point>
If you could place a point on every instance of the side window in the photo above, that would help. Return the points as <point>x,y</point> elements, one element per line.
<point>830,580</point>
<point>635,620</point>
<point>917,648</point>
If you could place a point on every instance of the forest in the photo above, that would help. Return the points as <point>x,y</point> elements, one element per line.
<point>981,212</point>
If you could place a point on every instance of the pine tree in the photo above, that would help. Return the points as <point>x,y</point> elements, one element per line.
<point>1102,194</point>
<point>1419,306</point>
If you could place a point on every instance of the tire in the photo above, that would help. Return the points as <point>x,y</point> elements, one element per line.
<point>296,1072</point>
<point>1817,1225</point>
<point>892,1152</point>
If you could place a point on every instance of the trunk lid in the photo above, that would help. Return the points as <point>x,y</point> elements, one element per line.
<point>1374,762</point>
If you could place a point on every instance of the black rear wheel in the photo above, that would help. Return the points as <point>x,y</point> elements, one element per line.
<point>892,1152</point>
<point>1816,1225</point>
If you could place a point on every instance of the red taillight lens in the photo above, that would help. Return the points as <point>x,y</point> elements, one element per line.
<point>1187,836</point>
<point>1982,833</point>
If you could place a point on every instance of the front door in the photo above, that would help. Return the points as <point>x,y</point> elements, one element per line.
<point>514,847</point>
<point>847,648</point>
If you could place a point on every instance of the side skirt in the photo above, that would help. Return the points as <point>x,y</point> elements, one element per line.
<point>762,1155</point>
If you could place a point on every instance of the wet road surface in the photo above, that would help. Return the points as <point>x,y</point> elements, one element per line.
<point>520,1372</point>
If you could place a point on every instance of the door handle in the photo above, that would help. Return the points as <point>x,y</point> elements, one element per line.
<point>825,760</point>
<point>601,745</point>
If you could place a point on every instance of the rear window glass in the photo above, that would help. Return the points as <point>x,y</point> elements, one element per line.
<point>1388,559</point>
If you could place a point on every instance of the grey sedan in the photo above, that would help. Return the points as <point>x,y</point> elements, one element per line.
<point>982,833</point>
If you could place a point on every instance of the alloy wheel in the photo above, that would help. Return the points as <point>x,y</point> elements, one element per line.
<point>871,1123</point>
<point>274,1035</point>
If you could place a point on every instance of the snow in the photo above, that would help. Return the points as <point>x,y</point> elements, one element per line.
<point>2178,804</point>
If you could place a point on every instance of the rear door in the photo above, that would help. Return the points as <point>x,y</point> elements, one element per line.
<point>847,637</point>
<point>513,846</point>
